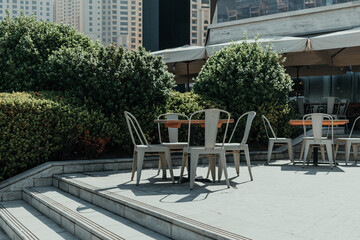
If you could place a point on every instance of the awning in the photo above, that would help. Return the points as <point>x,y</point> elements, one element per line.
<point>182,54</point>
<point>280,44</point>
<point>341,39</point>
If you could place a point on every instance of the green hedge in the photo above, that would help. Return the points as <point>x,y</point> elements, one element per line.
<point>35,129</point>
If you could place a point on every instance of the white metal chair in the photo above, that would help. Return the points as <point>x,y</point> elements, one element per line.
<point>318,139</point>
<point>236,148</point>
<point>342,109</point>
<point>144,147</point>
<point>332,104</point>
<point>322,148</point>
<point>173,133</point>
<point>349,141</point>
<point>276,141</point>
<point>212,117</point>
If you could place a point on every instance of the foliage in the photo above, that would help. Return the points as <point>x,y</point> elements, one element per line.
<point>25,46</point>
<point>35,129</point>
<point>247,77</point>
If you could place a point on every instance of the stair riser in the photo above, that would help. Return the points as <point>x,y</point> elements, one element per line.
<point>149,218</point>
<point>68,222</point>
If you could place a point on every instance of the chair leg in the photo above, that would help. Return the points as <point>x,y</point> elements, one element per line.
<point>270,147</point>
<point>223,165</point>
<point>247,158</point>
<point>322,149</point>
<point>309,154</point>
<point>306,150</point>
<point>169,163</point>
<point>290,151</point>
<point>330,154</point>
<point>162,159</point>
<point>159,166</point>
<point>347,152</point>
<point>355,150</point>
<point>220,170</point>
<point>236,156</point>
<point>302,150</point>
<point>134,165</point>
<point>140,160</point>
<point>194,160</point>
<point>184,162</point>
<point>211,167</point>
<point>336,149</point>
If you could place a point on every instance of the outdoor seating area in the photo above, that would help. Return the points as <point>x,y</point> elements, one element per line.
<point>334,106</point>
<point>215,124</point>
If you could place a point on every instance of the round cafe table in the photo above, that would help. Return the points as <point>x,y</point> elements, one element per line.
<point>324,123</point>
<point>178,123</point>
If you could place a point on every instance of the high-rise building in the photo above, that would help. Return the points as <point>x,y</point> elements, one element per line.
<point>166,24</point>
<point>41,9</point>
<point>200,20</point>
<point>109,21</point>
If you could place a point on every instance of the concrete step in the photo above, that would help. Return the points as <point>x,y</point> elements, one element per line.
<point>21,221</point>
<point>170,224</point>
<point>83,219</point>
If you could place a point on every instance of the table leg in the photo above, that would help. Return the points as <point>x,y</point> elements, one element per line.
<point>316,152</point>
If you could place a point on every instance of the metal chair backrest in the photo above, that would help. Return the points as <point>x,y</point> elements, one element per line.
<point>134,126</point>
<point>343,107</point>
<point>352,129</point>
<point>250,117</point>
<point>331,103</point>
<point>212,117</point>
<point>266,122</point>
<point>173,132</point>
<point>317,124</point>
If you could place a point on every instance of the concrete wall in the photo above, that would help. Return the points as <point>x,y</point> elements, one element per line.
<point>295,23</point>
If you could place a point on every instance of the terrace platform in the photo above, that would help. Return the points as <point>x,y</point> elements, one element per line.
<point>283,201</point>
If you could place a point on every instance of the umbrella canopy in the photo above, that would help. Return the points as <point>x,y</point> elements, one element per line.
<point>182,54</point>
<point>280,44</point>
<point>184,61</point>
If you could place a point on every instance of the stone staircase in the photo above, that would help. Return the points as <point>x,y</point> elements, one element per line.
<point>48,202</point>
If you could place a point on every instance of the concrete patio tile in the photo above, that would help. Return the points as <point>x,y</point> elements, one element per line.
<point>283,201</point>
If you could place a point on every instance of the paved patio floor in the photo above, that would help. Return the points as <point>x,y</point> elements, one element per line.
<point>283,201</point>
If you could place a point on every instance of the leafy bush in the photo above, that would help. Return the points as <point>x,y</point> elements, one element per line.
<point>35,129</point>
<point>114,80</point>
<point>25,46</point>
<point>247,77</point>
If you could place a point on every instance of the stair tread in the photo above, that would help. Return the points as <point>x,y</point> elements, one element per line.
<point>37,223</point>
<point>110,221</point>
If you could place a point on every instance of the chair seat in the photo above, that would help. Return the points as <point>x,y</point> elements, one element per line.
<point>232,146</point>
<point>203,149</point>
<point>354,140</point>
<point>280,140</point>
<point>175,145</point>
<point>311,138</point>
<point>152,148</point>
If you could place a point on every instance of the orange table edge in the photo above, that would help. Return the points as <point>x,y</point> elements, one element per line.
<point>325,122</point>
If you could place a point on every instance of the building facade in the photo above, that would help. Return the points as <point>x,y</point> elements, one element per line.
<point>298,18</point>
<point>117,22</point>
<point>200,20</point>
<point>41,9</point>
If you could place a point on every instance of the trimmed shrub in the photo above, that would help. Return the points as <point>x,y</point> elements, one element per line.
<point>35,130</point>
<point>247,77</point>
<point>25,46</point>
<point>114,80</point>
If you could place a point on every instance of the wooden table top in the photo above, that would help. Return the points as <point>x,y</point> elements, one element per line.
<point>177,123</point>
<point>325,122</point>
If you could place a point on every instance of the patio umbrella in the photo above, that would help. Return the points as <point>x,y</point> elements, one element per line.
<point>184,62</point>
